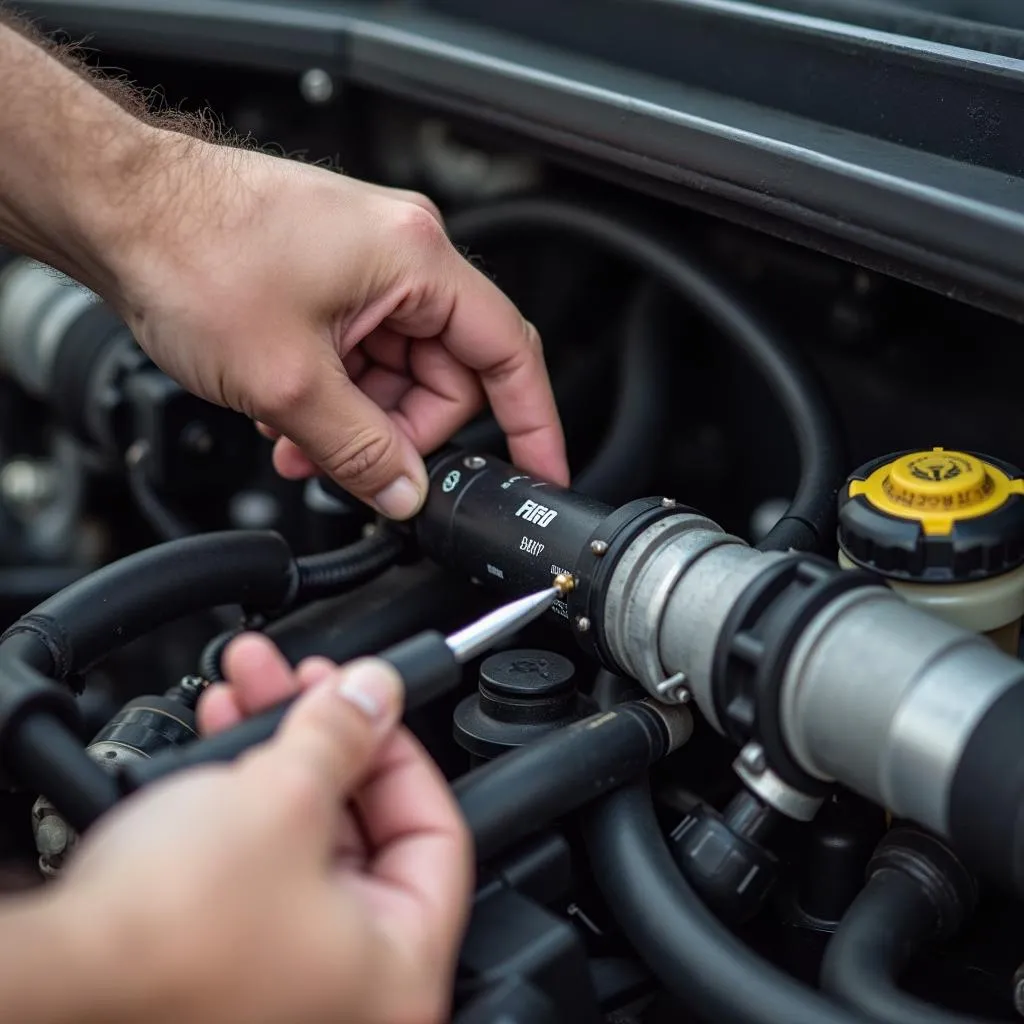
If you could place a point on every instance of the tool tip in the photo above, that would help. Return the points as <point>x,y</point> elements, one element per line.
<point>564,584</point>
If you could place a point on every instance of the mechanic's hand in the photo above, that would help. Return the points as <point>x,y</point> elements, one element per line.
<point>323,877</point>
<point>335,313</point>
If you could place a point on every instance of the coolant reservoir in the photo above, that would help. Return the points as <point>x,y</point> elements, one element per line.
<point>946,529</point>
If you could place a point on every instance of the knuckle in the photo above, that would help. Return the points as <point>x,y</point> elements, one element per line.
<point>283,390</point>
<point>419,226</point>
<point>424,203</point>
<point>363,458</point>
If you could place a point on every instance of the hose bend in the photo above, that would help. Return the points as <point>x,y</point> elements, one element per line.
<point>692,953</point>
<point>890,921</point>
<point>327,574</point>
<point>808,522</point>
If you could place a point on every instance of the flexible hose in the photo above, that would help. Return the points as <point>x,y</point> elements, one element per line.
<point>699,961</point>
<point>808,522</point>
<point>526,789</point>
<point>890,921</point>
<point>209,657</point>
<point>629,454</point>
<point>326,574</point>
<point>126,599</point>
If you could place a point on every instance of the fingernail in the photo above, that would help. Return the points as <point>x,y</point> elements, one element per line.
<point>401,499</point>
<point>372,688</point>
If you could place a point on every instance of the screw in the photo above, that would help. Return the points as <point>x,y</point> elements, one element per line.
<point>752,758</point>
<point>474,462</point>
<point>598,547</point>
<point>668,502</point>
<point>582,623</point>
<point>316,86</point>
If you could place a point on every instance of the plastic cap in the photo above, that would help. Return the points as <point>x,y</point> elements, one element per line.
<point>934,516</point>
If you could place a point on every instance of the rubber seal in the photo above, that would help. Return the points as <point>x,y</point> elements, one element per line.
<point>755,646</point>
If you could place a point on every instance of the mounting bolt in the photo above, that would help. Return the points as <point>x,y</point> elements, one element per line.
<point>474,462</point>
<point>752,757</point>
<point>668,502</point>
<point>598,547</point>
<point>582,623</point>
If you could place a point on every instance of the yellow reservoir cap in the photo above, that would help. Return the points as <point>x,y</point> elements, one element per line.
<point>937,488</point>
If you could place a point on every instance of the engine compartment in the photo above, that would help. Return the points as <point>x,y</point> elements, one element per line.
<point>102,459</point>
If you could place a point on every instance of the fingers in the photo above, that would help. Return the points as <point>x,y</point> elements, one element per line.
<point>337,727</point>
<point>423,848</point>
<point>485,332</point>
<point>353,440</point>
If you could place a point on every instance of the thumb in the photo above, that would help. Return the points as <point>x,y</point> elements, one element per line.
<point>354,441</point>
<point>337,727</point>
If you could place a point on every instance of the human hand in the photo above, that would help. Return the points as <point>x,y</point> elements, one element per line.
<point>324,876</point>
<point>334,312</point>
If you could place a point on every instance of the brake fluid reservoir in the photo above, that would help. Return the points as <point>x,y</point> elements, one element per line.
<point>946,530</point>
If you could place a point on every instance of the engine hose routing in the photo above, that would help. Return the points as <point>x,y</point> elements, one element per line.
<point>525,790</point>
<point>626,460</point>
<point>890,921</point>
<point>126,599</point>
<point>328,573</point>
<point>808,521</point>
<point>693,954</point>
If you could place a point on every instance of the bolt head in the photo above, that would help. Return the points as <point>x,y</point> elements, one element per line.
<point>582,623</point>
<point>474,462</point>
<point>668,502</point>
<point>752,757</point>
<point>598,547</point>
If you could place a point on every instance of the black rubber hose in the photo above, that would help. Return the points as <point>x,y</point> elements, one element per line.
<point>126,599</point>
<point>209,657</point>
<point>889,922</point>
<point>707,968</point>
<point>526,789</point>
<point>50,759</point>
<point>630,452</point>
<point>809,521</point>
<point>324,575</point>
<point>397,604</point>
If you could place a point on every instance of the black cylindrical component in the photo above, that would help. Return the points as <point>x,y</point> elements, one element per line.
<point>525,790</point>
<point>917,892</point>
<point>722,856</point>
<point>986,800</point>
<point>324,575</point>
<point>145,726</point>
<point>838,846</point>
<point>425,662</point>
<point>522,695</point>
<point>489,521</point>
<point>45,756</point>
<point>695,956</point>
<point>124,600</point>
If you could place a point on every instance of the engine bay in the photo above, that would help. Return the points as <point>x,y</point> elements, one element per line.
<point>760,761</point>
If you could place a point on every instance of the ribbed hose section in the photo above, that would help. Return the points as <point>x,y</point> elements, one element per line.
<point>332,572</point>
